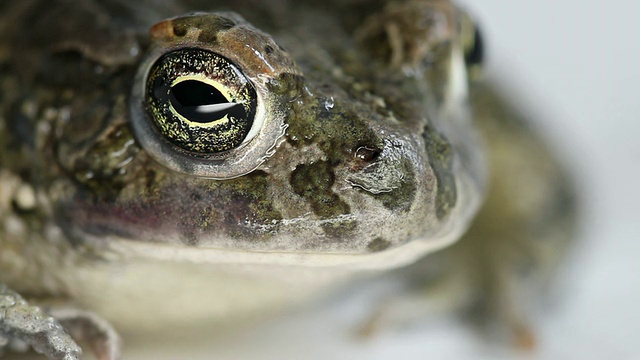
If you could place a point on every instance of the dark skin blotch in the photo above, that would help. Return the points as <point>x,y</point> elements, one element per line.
<point>401,198</point>
<point>313,182</point>
<point>378,244</point>
<point>208,36</point>
<point>209,27</point>
<point>180,29</point>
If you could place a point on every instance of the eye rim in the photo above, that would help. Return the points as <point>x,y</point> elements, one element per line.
<point>229,164</point>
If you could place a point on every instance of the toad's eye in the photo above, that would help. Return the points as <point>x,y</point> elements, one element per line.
<point>474,52</point>
<point>473,45</point>
<point>201,102</point>
<point>206,101</point>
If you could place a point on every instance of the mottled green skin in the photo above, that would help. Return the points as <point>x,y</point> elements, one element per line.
<point>371,146</point>
<point>335,101</point>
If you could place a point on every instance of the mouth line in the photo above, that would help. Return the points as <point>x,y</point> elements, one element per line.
<point>122,249</point>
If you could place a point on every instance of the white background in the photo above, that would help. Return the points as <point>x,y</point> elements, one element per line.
<point>576,64</point>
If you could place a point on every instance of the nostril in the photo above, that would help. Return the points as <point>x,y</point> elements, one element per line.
<point>368,154</point>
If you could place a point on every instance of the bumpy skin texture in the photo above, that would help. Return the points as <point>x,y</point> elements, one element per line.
<point>334,103</point>
<point>368,144</point>
<point>18,320</point>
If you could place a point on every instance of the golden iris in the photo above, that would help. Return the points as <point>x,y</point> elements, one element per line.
<point>200,101</point>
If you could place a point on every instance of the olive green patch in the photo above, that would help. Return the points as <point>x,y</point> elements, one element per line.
<point>401,198</point>
<point>313,182</point>
<point>340,229</point>
<point>441,160</point>
<point>378,244</point>
<point>338,129</point>
<point>287,88</point>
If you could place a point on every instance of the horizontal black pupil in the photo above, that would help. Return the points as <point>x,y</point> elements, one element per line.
<point>196,93</point>
<point>190,97</point>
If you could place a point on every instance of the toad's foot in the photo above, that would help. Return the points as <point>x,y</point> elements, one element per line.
<point>88,327</point>
<point>48,334</point>
<point>20,321</point>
